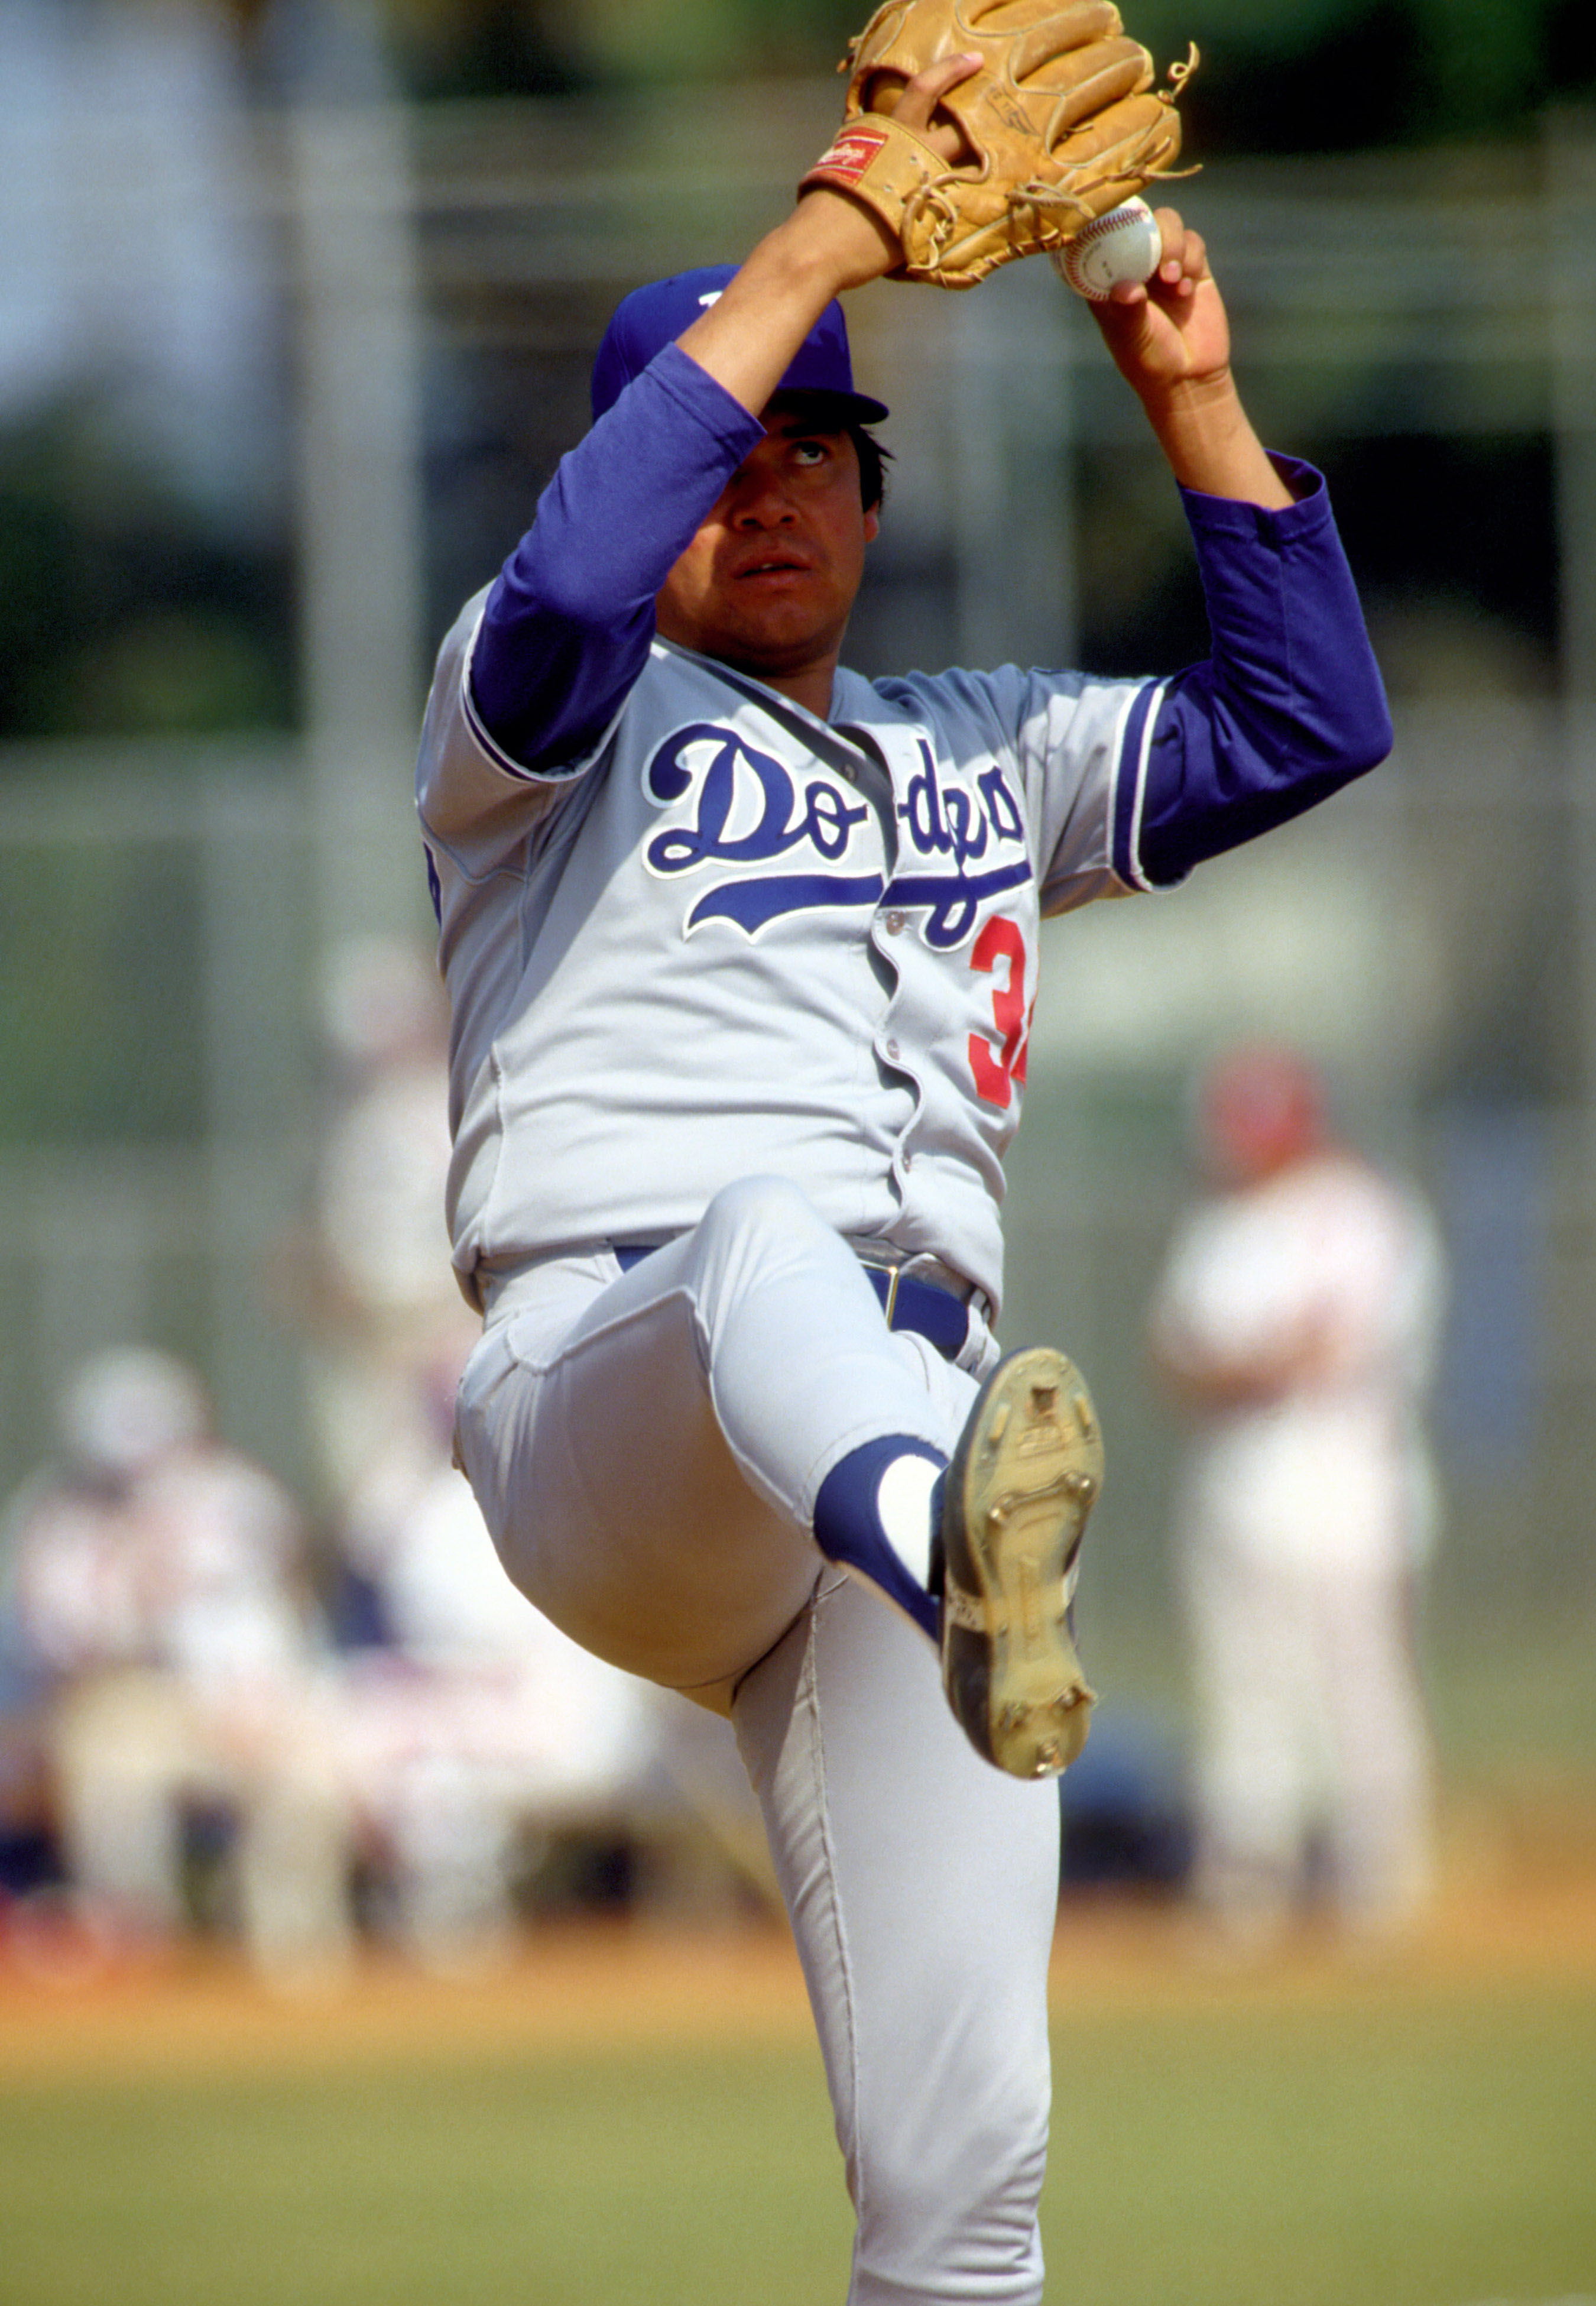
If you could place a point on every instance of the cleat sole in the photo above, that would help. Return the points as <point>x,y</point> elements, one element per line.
<point>1027,1473</point>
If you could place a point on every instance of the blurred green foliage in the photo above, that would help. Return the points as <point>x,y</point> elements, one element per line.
<point>1319,75</point>
<point>128,609</point>
<point>125,607</point>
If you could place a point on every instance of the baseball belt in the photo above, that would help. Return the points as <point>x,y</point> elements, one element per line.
<point>939,1315</point>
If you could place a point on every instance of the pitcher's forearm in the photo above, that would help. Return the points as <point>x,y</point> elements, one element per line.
<point>747,338</point>
<point>1207,436</point>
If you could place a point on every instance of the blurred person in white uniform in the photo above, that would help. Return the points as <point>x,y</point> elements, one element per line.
<point>1296,1318</point>
<point>475,1730</point>
<point>377,1290</point>
<point>157,1599</point>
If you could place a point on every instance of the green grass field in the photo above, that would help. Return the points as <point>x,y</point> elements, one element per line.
<point>1370,2150</point>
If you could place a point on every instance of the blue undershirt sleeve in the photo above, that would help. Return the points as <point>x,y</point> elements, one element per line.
<point>1289,708</point>
<point>567,626</point>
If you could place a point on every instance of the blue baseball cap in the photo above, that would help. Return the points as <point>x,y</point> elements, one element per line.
<point>651,318</point>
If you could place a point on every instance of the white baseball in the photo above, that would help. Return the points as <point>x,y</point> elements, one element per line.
<point>1124,245</point>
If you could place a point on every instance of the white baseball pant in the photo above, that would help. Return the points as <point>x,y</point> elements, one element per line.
<point>647,1448</point>
<point>1311,1718</point>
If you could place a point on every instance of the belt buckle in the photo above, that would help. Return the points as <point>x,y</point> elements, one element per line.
<point>893,1273</point>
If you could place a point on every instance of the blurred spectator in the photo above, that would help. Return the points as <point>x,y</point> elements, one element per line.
<point>473,1731</point>
<point>1297,1317</point>
<point>376,1290</point>
<point>30,1862</point>
<point>156,1610</point>
<point>1125,1809</point>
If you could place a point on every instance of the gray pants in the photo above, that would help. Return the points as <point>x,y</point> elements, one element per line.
<point>647,1448</point>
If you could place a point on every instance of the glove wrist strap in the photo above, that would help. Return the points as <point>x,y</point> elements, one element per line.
<point>886,166</point>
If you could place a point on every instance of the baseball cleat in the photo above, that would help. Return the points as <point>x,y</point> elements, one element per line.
<point>1024,1475</point>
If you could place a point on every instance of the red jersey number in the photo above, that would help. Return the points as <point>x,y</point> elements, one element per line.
<point>997,1064</point>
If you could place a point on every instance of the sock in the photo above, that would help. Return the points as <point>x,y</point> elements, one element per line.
<point>903,1509</point>
<point>874,1514</point>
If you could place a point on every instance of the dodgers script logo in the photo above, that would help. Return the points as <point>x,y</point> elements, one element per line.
<point>749,808</point>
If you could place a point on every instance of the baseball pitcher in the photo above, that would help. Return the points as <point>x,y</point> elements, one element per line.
<point>741,950</point>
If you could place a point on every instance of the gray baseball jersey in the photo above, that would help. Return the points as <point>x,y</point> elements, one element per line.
<point>845,914</point>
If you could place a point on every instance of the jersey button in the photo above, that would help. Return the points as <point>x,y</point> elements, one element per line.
<point>908,1161</point>
<point>895,923</point>
<point>892,1048</point>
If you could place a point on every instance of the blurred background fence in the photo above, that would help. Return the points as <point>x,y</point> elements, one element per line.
<point>284,361</point>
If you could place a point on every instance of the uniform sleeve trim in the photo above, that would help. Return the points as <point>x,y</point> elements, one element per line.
<point>1133,752</point>
<point>494,753</point>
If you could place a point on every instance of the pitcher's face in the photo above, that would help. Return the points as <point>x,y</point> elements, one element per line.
<point>768,583</point>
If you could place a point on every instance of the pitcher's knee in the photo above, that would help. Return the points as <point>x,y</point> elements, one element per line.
<point>762,1210</point>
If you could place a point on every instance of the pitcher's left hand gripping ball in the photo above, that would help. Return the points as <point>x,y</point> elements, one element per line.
<point>1062,121</point>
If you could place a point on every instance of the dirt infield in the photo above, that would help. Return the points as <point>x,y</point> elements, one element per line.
<point>1508,1919</point>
